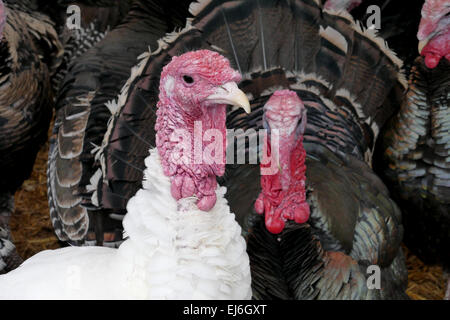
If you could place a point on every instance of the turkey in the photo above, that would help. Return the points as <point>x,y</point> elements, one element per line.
<point>352,222</point>
<point>30,53</point>
<point>93,80</point>
<point>174,249</point>
<point>415,145</point>
<point>343,74</point>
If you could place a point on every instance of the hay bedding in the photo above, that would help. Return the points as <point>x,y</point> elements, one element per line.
<point>30,224</point>
<point>32,231</point>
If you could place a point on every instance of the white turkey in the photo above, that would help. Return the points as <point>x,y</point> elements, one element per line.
<point>173,249</point>
<point>30,52</point>
<point>343,74</point>
<point>415,145</point>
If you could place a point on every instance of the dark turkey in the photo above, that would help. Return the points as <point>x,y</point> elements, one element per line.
<point>416,148</point>
<point>83,109</point>
<point>342,73</point>
<point>413,153</point>
<point>30,53</point>
<point>409,158</point>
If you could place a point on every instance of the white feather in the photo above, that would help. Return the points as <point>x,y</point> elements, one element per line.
<point>173,251</point>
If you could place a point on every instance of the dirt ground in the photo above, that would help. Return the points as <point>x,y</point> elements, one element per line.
<point>32,231</point>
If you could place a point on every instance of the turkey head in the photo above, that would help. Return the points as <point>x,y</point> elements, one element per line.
<point>434,32</point>
<point>283,193</point>
<point>195,89</point>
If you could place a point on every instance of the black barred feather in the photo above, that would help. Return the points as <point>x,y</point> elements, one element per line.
<point>9,258</point>
<point>414,161</point>
<point>78,42</point>
<point>30,52</point>
<point>399,25</point>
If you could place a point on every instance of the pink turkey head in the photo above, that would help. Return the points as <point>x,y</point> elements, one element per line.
<point>347,5</point>
<point>283,193</point>
<point>193,80</point>
<point>194,91</point>
<point>2,18</point>
<point>434,32</point>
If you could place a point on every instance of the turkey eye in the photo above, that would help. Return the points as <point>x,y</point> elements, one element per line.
<point>188,79</point>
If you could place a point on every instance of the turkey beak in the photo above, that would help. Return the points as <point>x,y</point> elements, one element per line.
<point>425,40</point>
<point>229,93</point>
<point>422,45</point>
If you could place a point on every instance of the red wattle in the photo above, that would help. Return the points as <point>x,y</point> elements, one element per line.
<point>302,213</point>
<point>280,204</point>
<point>274,223</point>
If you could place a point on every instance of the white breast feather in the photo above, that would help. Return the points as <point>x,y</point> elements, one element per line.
<point>173,251</point>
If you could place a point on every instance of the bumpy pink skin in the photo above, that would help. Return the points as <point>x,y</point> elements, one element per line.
<point>180,105</point>
<point>347,5</point>
<point>435,26</point>
<point>2,18</point>
<point>283,195</point>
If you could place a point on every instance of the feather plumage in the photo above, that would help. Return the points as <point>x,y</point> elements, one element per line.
<point>416,149</point>
<point>168,254</point>
<point>92,82</point>
<point>30,52</point>
<point>345,75</point>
